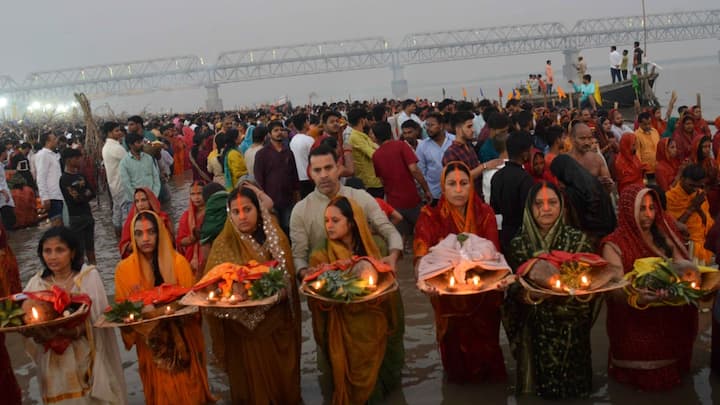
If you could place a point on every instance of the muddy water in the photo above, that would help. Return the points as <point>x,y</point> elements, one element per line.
<point>423,381</point>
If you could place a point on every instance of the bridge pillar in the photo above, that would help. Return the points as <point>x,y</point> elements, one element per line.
<point>213,102</point>
<point>399,85</point>
<point>571,58</point>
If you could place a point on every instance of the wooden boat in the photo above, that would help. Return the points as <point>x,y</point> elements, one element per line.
<point>621,93</point>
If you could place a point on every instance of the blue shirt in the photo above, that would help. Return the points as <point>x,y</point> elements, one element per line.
<point>136,173</point>
<point>586,90</point>
<point>487,151</point>
<point>430,162</point>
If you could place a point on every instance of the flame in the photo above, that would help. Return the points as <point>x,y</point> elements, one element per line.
<point>476,280</point>
<point>558,284</point>
<point>132,317</point>
<point>584,280</point>
<point>211,295</point>
<point>35,314</point>
<point>693,285</point>
<point>168,309</point>
<point>317,285</point>
<point>452,281</point>
<point>371,282</point>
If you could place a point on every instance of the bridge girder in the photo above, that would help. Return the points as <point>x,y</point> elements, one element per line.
<point>366,53</point>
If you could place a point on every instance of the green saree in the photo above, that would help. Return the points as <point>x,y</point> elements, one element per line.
<point>550,340</point>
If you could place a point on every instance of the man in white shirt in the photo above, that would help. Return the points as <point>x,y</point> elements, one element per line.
<point>618,125</point>
<point>47,164</point>
<point>300,145</point>
<point>615,61</point>
<point>112,153</point>
<point>408,113</point>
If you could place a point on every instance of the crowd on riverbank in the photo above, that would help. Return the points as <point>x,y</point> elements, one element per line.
<point>308,186</point>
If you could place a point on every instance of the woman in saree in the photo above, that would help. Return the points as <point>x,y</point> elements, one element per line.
<point>234,166</point>
<point>180,153</point>
<point>171,352</point>
<point>650,347</point>
<point>9,284</point>
<point>359,344</point>
<point>629,169</point>
<point>606,139</point>
<point>684,135</point>
<point>144,200</point>
<point>549,336</point>
<point>88,370</point>
<point>188,234</point>
<point>667,165</point>
<point>258,347</point>
<point>702,155</point>
<point>467,327</point>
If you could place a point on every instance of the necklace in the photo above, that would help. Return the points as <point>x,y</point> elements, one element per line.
<point>64,282</point>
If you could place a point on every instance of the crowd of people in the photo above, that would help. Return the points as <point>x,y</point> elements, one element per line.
<point>310,185</point>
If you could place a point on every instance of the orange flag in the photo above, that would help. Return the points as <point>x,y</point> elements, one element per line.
<point>464,92</point>
<point>561,93</point>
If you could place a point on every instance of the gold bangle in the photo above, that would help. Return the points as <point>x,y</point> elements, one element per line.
<point>584,300</point>
<point>530,300</point>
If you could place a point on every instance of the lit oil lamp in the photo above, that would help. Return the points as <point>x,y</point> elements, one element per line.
<point>694,285</point>
<point>371,286</point>
<point>476,282</point>
<point>451,283</point>
<point>169,310</point>
<point>557,284</point>
<point>130,318</point>
<point>317,285</point>
<point>584,281</point>
<point>35,315</point>
<point>233,299</point>
<point>212,297</point>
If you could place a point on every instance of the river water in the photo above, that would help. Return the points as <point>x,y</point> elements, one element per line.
<point>423,381</point>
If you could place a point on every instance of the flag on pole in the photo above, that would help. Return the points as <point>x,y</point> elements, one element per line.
<point>481,93</point>
<point>500,93</point>
<point>561,93</point>
<point>596,95</point>
<point>464,93</point>
<point>443,92</point>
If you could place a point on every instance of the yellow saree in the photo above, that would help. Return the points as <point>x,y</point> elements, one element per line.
<point>259,347</point>
<point>360,344</point>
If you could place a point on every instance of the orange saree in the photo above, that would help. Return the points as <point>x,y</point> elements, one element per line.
<point>171,353</point>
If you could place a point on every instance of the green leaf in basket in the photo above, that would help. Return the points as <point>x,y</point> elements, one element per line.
<point>268,285</point>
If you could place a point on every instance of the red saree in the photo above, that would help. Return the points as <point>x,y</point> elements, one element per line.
<point>629,169</point>
<point>190,221</point>
<point>9,284</point>
<point>156,208</point>
<point>467,327</point>
<point>649,349</point>
<point>25,207</point>
<point>712,189</point>
<point>666,167</point>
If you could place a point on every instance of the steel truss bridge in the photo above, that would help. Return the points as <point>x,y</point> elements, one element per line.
<point>190,71</point>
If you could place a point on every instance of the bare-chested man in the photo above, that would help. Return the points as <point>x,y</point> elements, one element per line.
<point>582,140</point>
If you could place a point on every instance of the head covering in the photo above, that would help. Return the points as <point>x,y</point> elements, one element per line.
<point>628,167</point>
<point>585,195</point>
<point>336,250</point>
<point>164,251</point>
<point>215,216</point>
<point>628,235</point>
<point>530,241</point>
<point>663,155</point>
<point>463,223</point>
<point>154,206</point>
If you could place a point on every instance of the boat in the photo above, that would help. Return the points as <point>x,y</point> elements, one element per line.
<point>616,95</point>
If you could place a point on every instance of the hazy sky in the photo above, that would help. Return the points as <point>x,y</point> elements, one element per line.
<point>46,35</point>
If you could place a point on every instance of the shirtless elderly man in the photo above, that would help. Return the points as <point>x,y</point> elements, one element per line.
<point>582,140</point>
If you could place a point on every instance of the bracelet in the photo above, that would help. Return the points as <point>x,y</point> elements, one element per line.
<point>530,300</point>
<point>632,301</point>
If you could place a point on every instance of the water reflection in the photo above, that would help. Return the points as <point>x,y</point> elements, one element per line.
<point>423,381</point>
